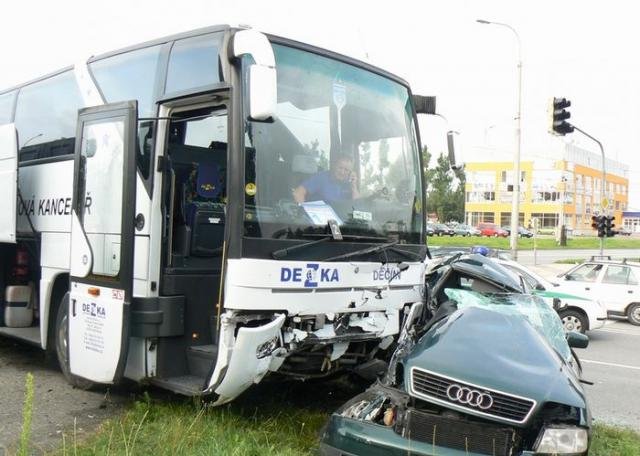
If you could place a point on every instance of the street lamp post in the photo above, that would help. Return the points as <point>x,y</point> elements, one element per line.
<point>515,205</point>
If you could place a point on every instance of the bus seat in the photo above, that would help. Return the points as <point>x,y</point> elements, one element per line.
<point>203,210</point>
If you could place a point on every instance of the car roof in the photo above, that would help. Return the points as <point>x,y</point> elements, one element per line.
<point>621,262</point>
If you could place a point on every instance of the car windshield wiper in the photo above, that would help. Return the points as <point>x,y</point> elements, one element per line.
<point>375,248</point>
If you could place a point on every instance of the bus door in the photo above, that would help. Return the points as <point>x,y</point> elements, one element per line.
<point>102,235</point>
<point>8,182</point>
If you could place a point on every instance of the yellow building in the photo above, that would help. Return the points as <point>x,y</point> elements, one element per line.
<point>550,190</point>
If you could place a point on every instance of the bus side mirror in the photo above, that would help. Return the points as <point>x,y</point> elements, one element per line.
<point>451,146</point>
<point>262,84</point>
<point>424,105</point>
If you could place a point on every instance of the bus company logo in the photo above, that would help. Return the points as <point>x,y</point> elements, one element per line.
<point>94,310</point>
<point>50,206</point>
<point>311,276</point>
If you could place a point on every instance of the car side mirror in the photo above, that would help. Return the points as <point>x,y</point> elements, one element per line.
<point>557,304</point>
<point>540,287</point>
<point>577,340</point>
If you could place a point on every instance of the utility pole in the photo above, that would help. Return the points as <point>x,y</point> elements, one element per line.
<point>515,202</point>
<point>604,180</point>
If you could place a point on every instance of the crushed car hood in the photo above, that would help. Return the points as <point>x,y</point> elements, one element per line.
<point>496,351</point>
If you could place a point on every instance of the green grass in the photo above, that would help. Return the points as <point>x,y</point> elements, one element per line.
<point>271,419</point>
<point>27,415</point>
<point>543,243</point>
<point>614,441</point>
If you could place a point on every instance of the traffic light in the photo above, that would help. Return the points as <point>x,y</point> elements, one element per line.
<point>559,116</point>
<point>598,222</point>
<point>609,226</point>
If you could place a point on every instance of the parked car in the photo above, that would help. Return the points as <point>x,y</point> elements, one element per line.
<point>465,230</point>
<point>522,232</point>
<point>578,313</point>
<point>440,229</point>
<point>491,229</point>
<point>614,283</point>
<point>624,231</point>
<point>474,373</point>
<point>430,229</point>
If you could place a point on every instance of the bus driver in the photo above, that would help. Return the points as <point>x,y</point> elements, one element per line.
<point>339,183</point>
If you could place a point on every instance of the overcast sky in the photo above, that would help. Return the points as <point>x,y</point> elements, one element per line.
<point>581,50</point>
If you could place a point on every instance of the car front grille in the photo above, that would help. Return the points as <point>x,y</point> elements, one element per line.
<point>456,434</point>
<point>445,391</point>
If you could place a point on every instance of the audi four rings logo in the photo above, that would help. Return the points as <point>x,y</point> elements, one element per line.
<point>468,396</point>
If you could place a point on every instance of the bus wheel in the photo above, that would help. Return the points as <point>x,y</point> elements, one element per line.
<point>62,347</point>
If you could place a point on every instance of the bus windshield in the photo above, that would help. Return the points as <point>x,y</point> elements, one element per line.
<point>342,146</point>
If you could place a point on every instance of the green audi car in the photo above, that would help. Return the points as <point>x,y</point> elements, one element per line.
<point>479,369</point>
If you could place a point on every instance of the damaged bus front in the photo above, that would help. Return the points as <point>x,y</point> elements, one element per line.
<point>332,247</point>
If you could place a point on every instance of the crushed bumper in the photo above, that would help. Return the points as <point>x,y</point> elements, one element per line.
<point>348,436</point>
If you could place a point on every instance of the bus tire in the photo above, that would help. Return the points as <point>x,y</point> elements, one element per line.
<point>62,347</point>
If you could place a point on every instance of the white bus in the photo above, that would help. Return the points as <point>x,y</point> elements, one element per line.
<point>152,225</point>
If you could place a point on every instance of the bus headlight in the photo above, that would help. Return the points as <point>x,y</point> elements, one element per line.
<point>563,440</point>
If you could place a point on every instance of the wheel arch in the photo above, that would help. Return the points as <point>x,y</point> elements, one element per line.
<point>581,312</point>
<point>626,309</point>
<point>58,289</point>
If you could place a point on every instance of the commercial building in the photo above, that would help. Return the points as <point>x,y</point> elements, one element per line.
<point>631,221</point>
<point>553,191</point>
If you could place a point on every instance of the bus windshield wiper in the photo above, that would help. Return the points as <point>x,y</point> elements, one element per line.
<point>375,248</point>
<point>407,254</point>
<point>281,253</point>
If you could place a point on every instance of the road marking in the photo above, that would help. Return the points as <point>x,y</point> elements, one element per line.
<point>624,366</point>
<point>627,332</point>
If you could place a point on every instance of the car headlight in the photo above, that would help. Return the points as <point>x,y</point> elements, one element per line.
<point>563,440</point>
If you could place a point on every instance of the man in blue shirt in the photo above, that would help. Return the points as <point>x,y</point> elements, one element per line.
<point>339,183</point>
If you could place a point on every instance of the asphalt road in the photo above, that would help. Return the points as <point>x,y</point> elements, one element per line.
<point>612,363</point>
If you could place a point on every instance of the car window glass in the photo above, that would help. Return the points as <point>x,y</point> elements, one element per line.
<point>531,281</point>
<point>538,313</point>
<point>586,273</point>
<point>619,275</point>
<point>631,280</point>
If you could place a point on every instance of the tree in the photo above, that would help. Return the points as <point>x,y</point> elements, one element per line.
<point>445,188</point>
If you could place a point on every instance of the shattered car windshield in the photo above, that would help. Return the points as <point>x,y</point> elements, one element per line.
<point>537,312</point>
